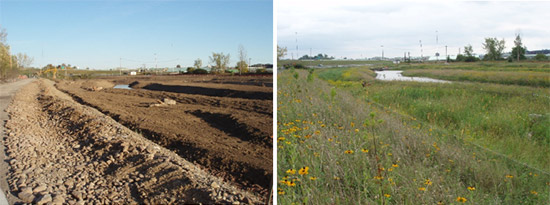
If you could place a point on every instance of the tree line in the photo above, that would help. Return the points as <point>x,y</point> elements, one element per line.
<point>494,49</point>
<point>11,65</point>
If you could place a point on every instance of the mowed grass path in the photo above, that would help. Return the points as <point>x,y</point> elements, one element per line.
<point>336,145</point>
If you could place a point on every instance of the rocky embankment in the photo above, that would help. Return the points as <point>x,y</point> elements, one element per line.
<point>62,152</point>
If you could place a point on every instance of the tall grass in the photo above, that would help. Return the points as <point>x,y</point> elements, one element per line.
<point>480,66</point>
<point>337,147</point>
<point>527,78</point>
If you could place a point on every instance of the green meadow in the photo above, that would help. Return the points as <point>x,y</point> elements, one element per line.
<point>344,137</point>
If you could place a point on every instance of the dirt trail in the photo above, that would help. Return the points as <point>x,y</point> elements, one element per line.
<point>62,152</point>
<point>224,128</point>
<point>7,91</point>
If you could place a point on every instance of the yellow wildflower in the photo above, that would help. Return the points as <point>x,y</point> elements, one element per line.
<point>356,130</point>
<point>313,178</point>
<point>365,150</point>
<point>395,165</point>
<point>461,199</point>
<point>291,171</point>
<point>303,171</point>
<point>509,176</point>
<point>428,182</point>
<point>349,152</point>
<point>387,195</point>
<point>471,188</point>
<point>422,189</point>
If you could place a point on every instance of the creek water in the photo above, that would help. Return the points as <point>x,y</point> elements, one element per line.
<point>390,75</point>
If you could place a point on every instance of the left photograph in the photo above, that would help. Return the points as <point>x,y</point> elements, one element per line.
<point>136,102</point>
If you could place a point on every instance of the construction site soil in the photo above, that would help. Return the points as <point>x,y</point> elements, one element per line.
<point>212,145</point>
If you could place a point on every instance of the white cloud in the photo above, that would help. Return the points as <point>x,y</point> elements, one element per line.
<point>355,28</point>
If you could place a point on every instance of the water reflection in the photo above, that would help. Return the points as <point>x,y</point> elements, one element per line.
<point>396,75</point>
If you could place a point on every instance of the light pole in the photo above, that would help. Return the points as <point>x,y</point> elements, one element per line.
<point>421,52</point>
<point>382,46</point>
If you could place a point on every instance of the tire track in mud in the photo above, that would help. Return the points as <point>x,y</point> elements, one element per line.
<point>224,138</point>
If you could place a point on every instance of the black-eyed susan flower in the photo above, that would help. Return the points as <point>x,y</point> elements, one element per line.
<point>312,178</point>
<point>280,191</point>
<point>387,195</point>
<point>303,171</point>
<point>422,189</point>
<point>395,165</point>
<point>291,171</point>
<point>461,199</point>
<point>291,184</point>
<point>356,130</point>
<point>365,150</point>
<point>349,151</point>
<point>428,182</point>
<point>509,176</point>
<point>471,188</point>
<point>534,192</point>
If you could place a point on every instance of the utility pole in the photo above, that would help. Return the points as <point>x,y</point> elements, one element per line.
<point>382,46</point>
<point>297,56</point>
<point>446,56</point>
<point>421,53</point>
<point>436,47</point>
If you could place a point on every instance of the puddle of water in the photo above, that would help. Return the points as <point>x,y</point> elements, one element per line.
<point>390,75</point>
<point>122,87</point>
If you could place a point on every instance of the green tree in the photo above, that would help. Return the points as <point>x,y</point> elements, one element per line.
<point>8,63</point>
<point>242,65</point>
<point>468,50</point>
<point>220,62</point>
<point>541,57</point>
<point>281,52</point>
<point>198,63</point>
<point>518,52</point>
<point>494,48</point>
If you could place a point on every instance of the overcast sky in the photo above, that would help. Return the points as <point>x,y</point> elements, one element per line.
<point>356,29</point>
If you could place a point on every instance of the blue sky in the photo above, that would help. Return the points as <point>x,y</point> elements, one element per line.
<point>96,34</point>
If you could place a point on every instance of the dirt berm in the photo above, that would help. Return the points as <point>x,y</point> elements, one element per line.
<point>62,152</point>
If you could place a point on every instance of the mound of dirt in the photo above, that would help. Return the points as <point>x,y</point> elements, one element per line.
<point>95,85</point>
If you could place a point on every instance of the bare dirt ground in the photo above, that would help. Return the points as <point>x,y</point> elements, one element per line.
<point>212,146</point>
<point>223,126</point>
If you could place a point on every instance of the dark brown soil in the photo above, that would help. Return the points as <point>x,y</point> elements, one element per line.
<point>223,127</point>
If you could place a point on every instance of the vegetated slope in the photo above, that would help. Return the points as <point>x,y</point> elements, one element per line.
<point>526,78</point>
<point>63,152</point>
<point>334,146</point>
<point>229,136</point>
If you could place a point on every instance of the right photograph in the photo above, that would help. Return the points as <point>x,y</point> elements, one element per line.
<point>413,102</point>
